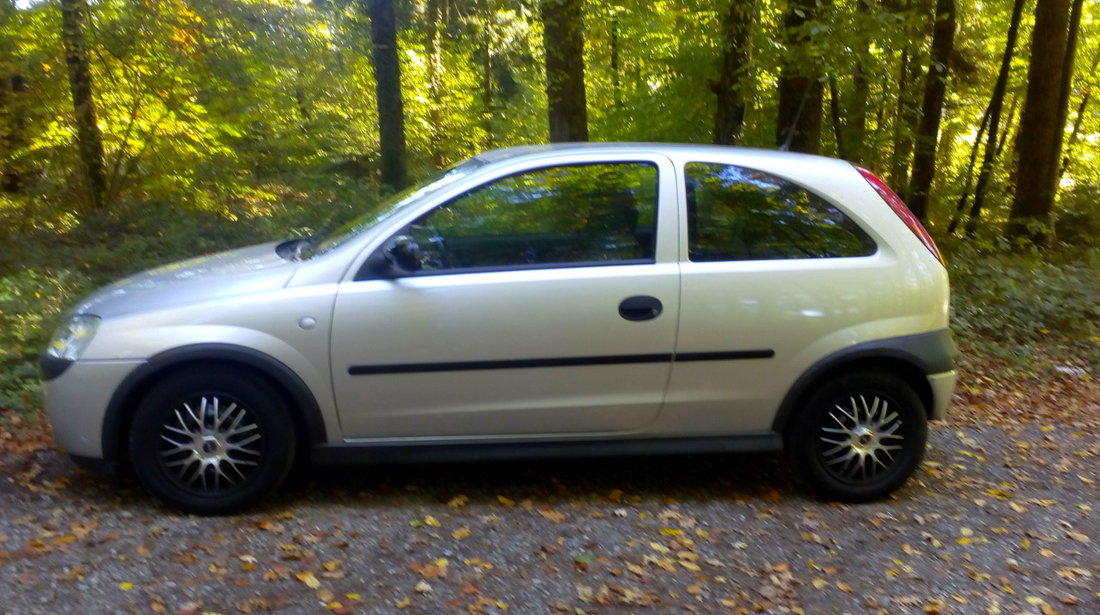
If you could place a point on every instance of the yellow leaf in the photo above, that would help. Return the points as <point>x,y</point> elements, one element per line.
<point>506,501</point>
<point>819,583</point>
<point>553,515</point>
<point>844,587</point>
<point>442,562</point>
<point>671,531</point>
<point>458,501</point>
<point>403,603</point>
<point>308,578</point>
<point>431,521</point>
<point>423,588</point>
<point>501,605</point>
<point>690,566</point>
<point>478,563</point>
<point>460,533</point>
<point>658,547</point>
<point>353,596</point>
<point>126,586</point>
<point>332,565</point>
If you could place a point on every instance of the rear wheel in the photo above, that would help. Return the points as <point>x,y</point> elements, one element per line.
<point>859,436</point>
<point>212,442</point>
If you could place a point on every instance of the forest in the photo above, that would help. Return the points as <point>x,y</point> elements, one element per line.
<point>134,132</point>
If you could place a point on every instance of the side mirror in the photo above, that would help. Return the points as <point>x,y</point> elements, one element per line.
<point>400,257</point>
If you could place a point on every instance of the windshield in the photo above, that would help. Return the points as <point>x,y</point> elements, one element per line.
<point>388,208</point>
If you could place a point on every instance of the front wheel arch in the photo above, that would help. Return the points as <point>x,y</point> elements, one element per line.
<point>211,439</point>
<point>309,423</point>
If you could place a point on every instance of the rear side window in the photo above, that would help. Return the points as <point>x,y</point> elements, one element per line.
<point>737,214</point>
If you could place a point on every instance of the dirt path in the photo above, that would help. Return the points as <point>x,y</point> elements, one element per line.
<point>1004,517</point>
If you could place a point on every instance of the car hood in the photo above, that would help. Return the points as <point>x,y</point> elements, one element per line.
<point>243,271</point>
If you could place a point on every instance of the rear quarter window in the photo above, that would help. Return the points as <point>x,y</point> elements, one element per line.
<point>736,213</point>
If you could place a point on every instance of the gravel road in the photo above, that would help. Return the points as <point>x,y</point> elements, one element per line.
<point>1000,519</point>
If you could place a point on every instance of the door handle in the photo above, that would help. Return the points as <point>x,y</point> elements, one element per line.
<point>640,307</point>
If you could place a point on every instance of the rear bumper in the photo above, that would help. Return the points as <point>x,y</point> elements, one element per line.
<point>943,388</point>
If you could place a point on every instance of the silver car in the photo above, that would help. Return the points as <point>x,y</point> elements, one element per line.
<point>574,299</point>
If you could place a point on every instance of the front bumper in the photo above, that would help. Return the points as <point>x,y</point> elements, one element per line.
<point>77,400</point>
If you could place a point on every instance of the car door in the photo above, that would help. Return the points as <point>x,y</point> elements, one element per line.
<point>542,302</point>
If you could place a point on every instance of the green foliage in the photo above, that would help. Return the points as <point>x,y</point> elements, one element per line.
<point>1027,309</point>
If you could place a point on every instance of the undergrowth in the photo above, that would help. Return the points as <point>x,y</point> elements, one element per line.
<point>1027,313</point>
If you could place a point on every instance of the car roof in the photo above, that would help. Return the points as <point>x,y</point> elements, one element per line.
<point>520,151</point>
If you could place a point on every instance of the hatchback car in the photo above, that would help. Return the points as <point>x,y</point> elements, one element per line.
<point>533,301</point>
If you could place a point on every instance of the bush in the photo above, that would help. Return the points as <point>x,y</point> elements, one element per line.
<point>1015,307</point>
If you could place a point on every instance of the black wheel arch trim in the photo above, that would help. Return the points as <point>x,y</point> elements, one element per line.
<point>121,406</point>
<point>927,353</point>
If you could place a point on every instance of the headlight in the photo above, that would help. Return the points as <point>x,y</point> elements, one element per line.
<point>73,337</point>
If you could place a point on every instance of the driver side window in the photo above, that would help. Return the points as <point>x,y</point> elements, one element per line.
<point>566,215</point>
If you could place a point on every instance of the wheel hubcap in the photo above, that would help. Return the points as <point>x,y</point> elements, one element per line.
<point>859,438</point>
<point>211,447</point>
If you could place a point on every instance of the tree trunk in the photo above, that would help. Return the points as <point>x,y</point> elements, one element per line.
<point>968,175</point>
<point>836,113</point>
<point>1067,155</point>
<point>1063,96</point>
<point>996,104</point>
<point>88,137</point>
<point>905,121</point>
<point>13,129</point>
<point>1039,141</point>
<point>437,22</point>
<point>563,40</point>
<point>854,129</point>
<point>387,77</point>
<point>616,64</point>
<point>729,114</point>
<point>935,89</point>
<point>798,125</point>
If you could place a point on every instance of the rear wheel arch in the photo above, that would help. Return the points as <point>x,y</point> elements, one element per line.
<point>305,413</point>
<point>894,363</point>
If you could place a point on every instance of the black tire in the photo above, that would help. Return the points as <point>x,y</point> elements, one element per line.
<point>193,440</point>
<point>842,441</point>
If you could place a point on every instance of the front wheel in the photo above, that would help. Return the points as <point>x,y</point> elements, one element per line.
<point>211,442</point>
<point>859,436</point>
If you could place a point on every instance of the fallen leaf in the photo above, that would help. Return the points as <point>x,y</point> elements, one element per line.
<point>458,501</point>
<point>461,533</point>
<point>553,515</point>
<point>308,578</point>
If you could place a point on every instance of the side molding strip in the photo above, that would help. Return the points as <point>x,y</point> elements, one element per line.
<point>414,368</point>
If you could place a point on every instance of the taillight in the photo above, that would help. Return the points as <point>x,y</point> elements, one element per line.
<point>899,208</point>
